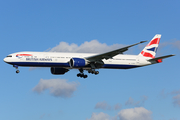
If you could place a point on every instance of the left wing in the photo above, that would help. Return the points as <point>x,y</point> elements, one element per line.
<point>110,54</point>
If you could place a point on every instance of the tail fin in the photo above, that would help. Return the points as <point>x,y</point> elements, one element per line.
<point>150,50</point>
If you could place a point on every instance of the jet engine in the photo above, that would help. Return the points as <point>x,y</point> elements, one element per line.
<point>58,71</point>
<point>78,62</point>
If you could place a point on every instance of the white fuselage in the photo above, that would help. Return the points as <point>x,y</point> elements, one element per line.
<point>60,63</point>
<point>58,59</point>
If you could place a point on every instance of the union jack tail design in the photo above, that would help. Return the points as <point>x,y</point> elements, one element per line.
<point>151,48</point>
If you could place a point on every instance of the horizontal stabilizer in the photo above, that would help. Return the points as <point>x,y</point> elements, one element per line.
<point>160,58</point>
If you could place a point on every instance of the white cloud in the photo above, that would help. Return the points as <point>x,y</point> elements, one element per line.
<point>117,106</point>
<point>57,87</point>
<point>105,106</point>
<point>163,94</point>
<point>165,47</point>
<point>176,92</point>
<point>93,46</point>
<point>138,113</point>
<point>176,100</point>
<point>173,119</point>
<point>131,101</point>
<point>174,43</point>
<point>144,98</point>
<point>102,105</point>
<point>100,116</point>
<point>44,116</point>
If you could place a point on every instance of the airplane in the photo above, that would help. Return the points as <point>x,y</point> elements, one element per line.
<point>60,63</point>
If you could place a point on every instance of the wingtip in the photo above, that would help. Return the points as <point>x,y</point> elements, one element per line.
<point>143,41</point>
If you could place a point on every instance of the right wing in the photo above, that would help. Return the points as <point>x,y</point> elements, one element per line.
<point>110,54</point>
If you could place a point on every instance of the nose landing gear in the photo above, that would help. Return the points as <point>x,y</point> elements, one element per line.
<point>17,71</point>
<point>16,66</point>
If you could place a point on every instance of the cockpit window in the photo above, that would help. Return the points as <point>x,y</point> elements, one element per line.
<point>9,56</point>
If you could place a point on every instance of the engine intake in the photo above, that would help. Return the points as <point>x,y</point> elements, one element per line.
<point>58,71</point>
<point>78,62</point>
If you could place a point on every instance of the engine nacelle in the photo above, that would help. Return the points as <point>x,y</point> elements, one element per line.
<point>58,71</point>
<point>78,62</point>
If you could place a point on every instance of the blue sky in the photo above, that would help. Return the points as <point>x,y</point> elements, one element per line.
<point>112,95</point>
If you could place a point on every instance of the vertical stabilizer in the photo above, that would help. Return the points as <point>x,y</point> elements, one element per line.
<point>150,50</point>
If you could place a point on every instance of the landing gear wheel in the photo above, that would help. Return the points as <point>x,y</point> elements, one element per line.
<point>16,66</point>
<point>89,71</point>
<point>81,75</point>
<point>85,76</point>
<point>93,72</point>
<point>96,72</point>
<point>78,75</point>
<point>17,71</point>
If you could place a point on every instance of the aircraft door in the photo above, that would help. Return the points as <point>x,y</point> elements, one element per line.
<point>137,61</point>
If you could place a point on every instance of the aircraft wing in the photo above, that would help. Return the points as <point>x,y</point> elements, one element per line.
<point>111,54</point>
<point>162,57</point>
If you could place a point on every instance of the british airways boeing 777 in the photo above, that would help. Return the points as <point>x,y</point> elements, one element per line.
<point>60,63</point>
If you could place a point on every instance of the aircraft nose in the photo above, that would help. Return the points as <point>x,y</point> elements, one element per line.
<point>5,60</point>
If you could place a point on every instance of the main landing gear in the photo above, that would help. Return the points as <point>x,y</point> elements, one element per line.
<point>16,66</point>
<point>81,74</point>
<point>93,72</point>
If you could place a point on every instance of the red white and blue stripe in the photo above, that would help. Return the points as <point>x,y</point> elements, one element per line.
<point>151,49</point>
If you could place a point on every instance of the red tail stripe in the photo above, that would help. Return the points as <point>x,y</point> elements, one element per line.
<point>155,41</point>
<point>146,54</point>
